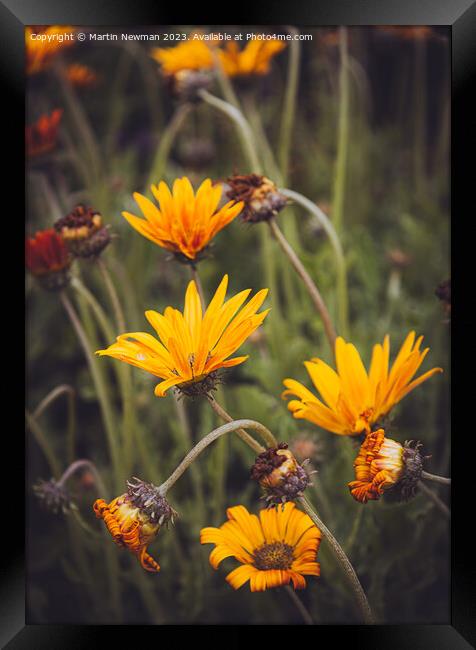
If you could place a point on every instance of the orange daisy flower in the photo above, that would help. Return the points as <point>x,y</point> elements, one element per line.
<point>184,222</point>
<point>253,59</point>
<point>44,43</point>
<point>275,549</point>
<point>352,398</point>
<point>187,55</point>
<point>193,346</point>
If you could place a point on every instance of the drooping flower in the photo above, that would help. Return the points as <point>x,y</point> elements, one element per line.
<point>83,231</point>
<point>187,67</point>
<point>260,196</point>
<point>275,549</point>
<point>184,222</point>
<point>48,259</point>
<point>383,464</point>
<point>44,43</point>
<point>81,76</point>
<point>352,399</point>
<point>134,519</point>
<point>41,136</point>
<point>280,475</point>
<point>53,496</point>
<point>254,59</point>
<point>192,346</point>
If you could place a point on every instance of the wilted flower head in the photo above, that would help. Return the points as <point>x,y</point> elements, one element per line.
<point>47,258</point>
<point>44,43</point>
<point>352,398</point>
<point>280,475</point>
<point>193,346</point>
<point>185,222</point>
<point>81,76</point>
<point>254,59</point>
<point>83,231</point>
<point>41,136</point>
<point>278,548</point>
<point>384,464</point>
<point>53,496</point>
<point>260,196</point>
<point>134,519</point>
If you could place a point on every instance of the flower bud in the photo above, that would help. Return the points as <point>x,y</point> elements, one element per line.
<point>83,231</point>
<point>280,475</point>
<point>260,195</point>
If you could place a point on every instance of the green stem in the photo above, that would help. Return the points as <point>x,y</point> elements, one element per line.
<point>344,561</point>
<point>81,464</point>
<point>44,445</point>
<point>435,478</point>
<point>299,605</point>
<point>436,499</point>
<point>307,280</point>
<point>71,427</point>
<point>343,133</point>
<point>106,410</point>
<point>289,104</point>
<point>114,298</point>
<point>234,425</point>
<point>165,145</point>
<point>244,130</point>
<point>334,240</point>
<point>251,442</point>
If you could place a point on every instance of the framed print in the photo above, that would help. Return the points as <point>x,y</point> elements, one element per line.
<point>238,351</point>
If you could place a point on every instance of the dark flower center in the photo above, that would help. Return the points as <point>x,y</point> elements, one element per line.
<point>273,556</point>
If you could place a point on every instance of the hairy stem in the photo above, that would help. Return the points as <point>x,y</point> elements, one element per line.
<point>71,427</point>
<point>435,478</point>
<point>251,442</point>
<point>436,499</point>
<point>289,104</point>
<point>44,444</point>
<point>81,464</point>
<point>299,605</point>
<point>236,425</point>
<point>114,298</point>
<point>344,561</point>
<point>308,282</point>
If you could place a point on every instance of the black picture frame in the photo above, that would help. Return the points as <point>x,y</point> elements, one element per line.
<point>460,15</point>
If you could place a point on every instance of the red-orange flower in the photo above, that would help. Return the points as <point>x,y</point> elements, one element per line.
<point>378,467</point>
<point>41,136</point>
<point>81,76</point>
<point>46,253</point>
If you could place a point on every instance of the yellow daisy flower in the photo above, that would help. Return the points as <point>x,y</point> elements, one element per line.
<point>187,55</point>
<point>253,59</point>
<point>186,222</point>
<point>41,51</point>
<point>192,346</point>
<point>352,398</point>
<point>278,547</point>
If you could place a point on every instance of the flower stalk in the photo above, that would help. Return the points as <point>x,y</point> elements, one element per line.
<point>435,478</point>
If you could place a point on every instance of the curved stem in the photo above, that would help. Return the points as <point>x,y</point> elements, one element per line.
<point>71,430</point>
<point>359,593</point>
<point>44,444</point>
<point>165,145</point>
<point>235,425</point>
<point>106,410</point>
<point>111,289</point>
<point>330,231</point>
<point>435,478</point>
<point>79,464</point>
<point>251,442</point>
<point>244,129</point>
<point>289,104</point>
<point>343,132</point>
<point>299,606</point>
<point>308,282</point>
<point>436,499</point>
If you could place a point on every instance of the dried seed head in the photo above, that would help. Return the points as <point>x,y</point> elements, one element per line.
<point>53,497</point>
<point>407,485</point>
<point>185,84</point>
<point>150,502</point>
<point>83,231</point>
<point>280,475</point>
<point>260,195</point>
